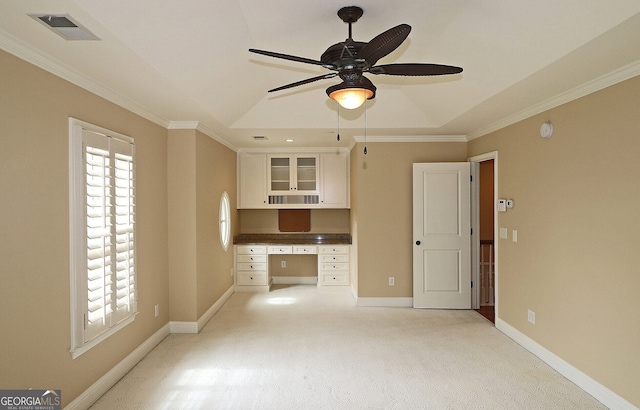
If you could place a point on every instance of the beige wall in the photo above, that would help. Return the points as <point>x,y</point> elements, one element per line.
<point>200,170</point>
<point>381,207</point>
<point>322,221</point>
<point>216,173</point>
<point>34,221</point>
<point>577,213</point>
<point>182,225</point>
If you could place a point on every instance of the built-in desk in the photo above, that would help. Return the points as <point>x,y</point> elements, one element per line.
<point>251,256</point>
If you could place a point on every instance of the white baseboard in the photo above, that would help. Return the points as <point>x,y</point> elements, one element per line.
<point>582,380</point>
<point>215,307</point>
<point>196,327</point>
<point>100,387</point>
<point>103,384</point>
<point>384,302</point>
<point>295,280</point>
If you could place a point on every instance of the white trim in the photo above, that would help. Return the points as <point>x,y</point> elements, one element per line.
<point>384,302</point>
<point>77,351</point>
<point>413,138</point>
<point>204,319</point>
<point>582,380</point>
<point>295,280</point>
<point>183,125</point>
<point>103,384</point>
<point>197,125</point>
<point>34,56</point>
<point>291,150</point>
<point>196,327</point>
<point>183,327</point>
<point>477,159</point>
<point>607,80</point>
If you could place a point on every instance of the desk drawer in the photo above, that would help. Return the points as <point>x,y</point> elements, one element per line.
<point>334,266</point>
<point>338,249</point>
<point>333,278</point>
<point>252,258</point>
<point>250,266</point>
<point>251,250</point>
<point>334,258</point>
<point>307,249</point>
<point>280,249</point>
<point>251,278</point>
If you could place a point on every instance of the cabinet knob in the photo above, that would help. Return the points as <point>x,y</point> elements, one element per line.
<point>417,242</point>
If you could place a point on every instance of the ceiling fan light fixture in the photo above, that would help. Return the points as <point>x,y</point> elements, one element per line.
<point>352,96</point>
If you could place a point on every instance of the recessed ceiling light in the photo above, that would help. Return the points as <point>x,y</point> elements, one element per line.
<point>289,140</point>
<point>65,26</point>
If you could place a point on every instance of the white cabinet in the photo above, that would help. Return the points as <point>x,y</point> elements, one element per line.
<point>305,249</point>
<point>252,181</point>
<point>333,265</point>
<point>280,249</point>
<point>252,268</point>
<point>318,179</point>
<point>292,173</point>
<point>334,180</point>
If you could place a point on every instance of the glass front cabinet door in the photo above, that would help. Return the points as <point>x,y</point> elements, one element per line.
<point>293,174</point>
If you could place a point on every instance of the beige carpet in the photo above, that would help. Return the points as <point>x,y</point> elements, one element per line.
<point>299,347</point>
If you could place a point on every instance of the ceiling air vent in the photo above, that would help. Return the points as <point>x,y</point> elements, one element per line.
<point>65,26</point>
<point>260,138</point>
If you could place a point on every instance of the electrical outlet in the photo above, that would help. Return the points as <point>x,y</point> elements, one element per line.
<point>157,310</point>
<point>392,281</point>
<point>531,315</point>
<point>283,264</point>
<point>514,235</point>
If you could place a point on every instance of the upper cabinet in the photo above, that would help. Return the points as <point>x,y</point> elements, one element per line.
<point>334,180</point>
<point>292,174</point>
<point>252,181</point>
<point>293,180</point>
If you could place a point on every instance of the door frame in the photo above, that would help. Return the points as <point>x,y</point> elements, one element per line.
<point>475,225</point>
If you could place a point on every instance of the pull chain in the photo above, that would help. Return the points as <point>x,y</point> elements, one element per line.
<point>338,137</point>
<point>365,127</point>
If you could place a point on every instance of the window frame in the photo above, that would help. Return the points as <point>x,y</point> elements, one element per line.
<point>78,237</point>
<point>224,220</point>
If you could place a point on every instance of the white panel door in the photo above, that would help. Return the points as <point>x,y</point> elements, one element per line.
<point>441,236</point>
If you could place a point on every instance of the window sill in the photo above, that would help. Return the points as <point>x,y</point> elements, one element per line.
<point>79,350</point>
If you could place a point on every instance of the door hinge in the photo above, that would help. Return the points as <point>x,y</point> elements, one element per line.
<point>471,178</point>
<point>471,231</point>
<point>471,284</point>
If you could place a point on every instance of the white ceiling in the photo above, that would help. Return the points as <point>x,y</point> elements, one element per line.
<point>180,62</point>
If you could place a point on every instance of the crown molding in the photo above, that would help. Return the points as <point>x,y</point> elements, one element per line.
<point>31,55</point>
<point>197,125</point>
<point>412,138</point>
<point>607,80</point>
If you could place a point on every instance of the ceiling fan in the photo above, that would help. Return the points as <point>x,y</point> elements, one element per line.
<point>350,59</point>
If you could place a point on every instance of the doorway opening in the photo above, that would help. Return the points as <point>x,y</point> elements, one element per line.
<point>484,221</point>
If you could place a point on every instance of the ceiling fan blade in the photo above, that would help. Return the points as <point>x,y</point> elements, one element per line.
<point>415,69</point>
<point>302,82</point>
<point>292,58</point>
<point>384,43</point>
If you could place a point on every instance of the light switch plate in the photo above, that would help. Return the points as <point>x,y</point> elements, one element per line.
<point>503,233</point>
<point>514,235</point>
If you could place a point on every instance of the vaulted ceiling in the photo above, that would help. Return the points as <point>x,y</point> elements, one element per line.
<point>186,63</point>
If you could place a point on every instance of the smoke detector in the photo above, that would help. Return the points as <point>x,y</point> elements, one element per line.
<point>65,26</point>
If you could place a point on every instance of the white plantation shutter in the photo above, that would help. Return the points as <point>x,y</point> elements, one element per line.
<point>103,236</point>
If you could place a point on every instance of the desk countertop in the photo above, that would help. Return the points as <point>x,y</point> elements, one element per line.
<point>293,238</point>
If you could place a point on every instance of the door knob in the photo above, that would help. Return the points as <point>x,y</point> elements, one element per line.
<point>417,242</point>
